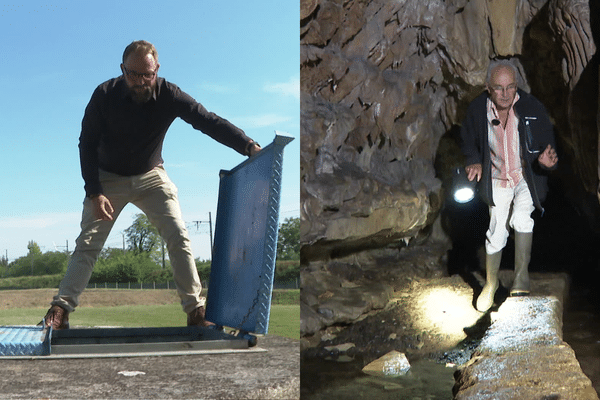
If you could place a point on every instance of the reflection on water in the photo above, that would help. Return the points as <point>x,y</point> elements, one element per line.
<point>326,380</point>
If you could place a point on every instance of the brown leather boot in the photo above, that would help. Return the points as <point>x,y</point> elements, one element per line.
<point>197,317</point>
<point>57,317</point>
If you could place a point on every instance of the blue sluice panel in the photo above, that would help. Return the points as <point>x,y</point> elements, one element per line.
<point>245,244</point>
<point>24,341</point>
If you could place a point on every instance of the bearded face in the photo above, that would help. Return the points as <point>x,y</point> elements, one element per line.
<point>140,71</point>
<point>141,94</point>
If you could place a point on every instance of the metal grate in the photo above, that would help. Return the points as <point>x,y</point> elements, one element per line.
<point>24,340</point>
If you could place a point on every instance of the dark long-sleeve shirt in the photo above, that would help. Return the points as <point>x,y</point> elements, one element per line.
<point>125,138</point>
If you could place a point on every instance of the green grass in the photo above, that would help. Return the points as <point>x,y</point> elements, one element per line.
<point>286,297</point>
<point>284,319</point>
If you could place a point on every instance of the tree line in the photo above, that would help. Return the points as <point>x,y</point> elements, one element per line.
<point>145,259</point>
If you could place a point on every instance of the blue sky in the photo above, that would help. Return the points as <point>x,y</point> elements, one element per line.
<point>240,59</point>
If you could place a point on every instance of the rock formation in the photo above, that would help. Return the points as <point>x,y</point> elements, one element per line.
<point>384,85</point>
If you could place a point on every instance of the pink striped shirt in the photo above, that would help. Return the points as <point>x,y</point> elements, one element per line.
<point>504,145</point>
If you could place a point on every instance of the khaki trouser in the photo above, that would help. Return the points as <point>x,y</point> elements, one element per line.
<point>154,194</point>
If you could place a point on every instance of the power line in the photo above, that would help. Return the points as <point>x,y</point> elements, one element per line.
<point>66,247</point>
<point>209,222</point>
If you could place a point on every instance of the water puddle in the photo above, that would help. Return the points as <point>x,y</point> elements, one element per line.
<point>325,380</point>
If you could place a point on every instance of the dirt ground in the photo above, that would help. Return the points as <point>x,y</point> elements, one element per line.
<point>34,298</point>
<point>271,374</point>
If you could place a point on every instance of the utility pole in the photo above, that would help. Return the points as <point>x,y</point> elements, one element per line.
<point>5,269</point>
<point>5,264</point>
<point>66,246</point>
<point>210,232</point>
<point>162,246</point>
<point>209,222</point>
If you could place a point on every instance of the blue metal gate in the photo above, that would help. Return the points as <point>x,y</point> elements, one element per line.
<point>246,229</point>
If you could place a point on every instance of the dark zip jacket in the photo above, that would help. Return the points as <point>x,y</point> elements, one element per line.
<point>535,134</point>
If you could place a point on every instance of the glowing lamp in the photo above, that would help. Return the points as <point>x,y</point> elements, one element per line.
<point>463,190</point>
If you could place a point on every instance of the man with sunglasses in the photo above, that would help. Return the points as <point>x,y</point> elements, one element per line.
<point>120,147</point>
<point>508,143</point>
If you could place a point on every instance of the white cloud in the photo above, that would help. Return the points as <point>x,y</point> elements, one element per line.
<point>289,88</point>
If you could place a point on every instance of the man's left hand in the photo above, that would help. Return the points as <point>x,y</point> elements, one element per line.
<point>255,148</point>
<point>548,158</point>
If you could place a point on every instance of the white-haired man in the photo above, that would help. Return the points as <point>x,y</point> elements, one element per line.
<point>508,143</point>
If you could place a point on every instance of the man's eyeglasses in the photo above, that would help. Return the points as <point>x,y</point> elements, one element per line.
<point>136,75</point>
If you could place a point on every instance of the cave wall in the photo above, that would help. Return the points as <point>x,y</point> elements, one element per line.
<point>382,82</point>
<point>562,70</point>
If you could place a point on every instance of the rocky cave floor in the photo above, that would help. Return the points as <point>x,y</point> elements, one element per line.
<point>406,325</point>
<point>434,323</point>
<point>433,320</point>
<point>424,320</point>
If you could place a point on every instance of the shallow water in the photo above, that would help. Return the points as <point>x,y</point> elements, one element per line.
<point>430,379</point>
<point>326,380</point>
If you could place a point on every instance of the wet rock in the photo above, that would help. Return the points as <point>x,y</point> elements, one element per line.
<point>391,365</point>
<point>423,316</point>
<point>327,301</point>
<point>341,353</point>
<point>523,323</point>
<point>522,356</point>
<point>341,291</point>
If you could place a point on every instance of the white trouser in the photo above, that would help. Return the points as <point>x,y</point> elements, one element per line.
<point>512,209</point>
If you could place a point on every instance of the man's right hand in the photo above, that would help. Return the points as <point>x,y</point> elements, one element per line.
<point>474,171</point>
<point>103,209</point>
